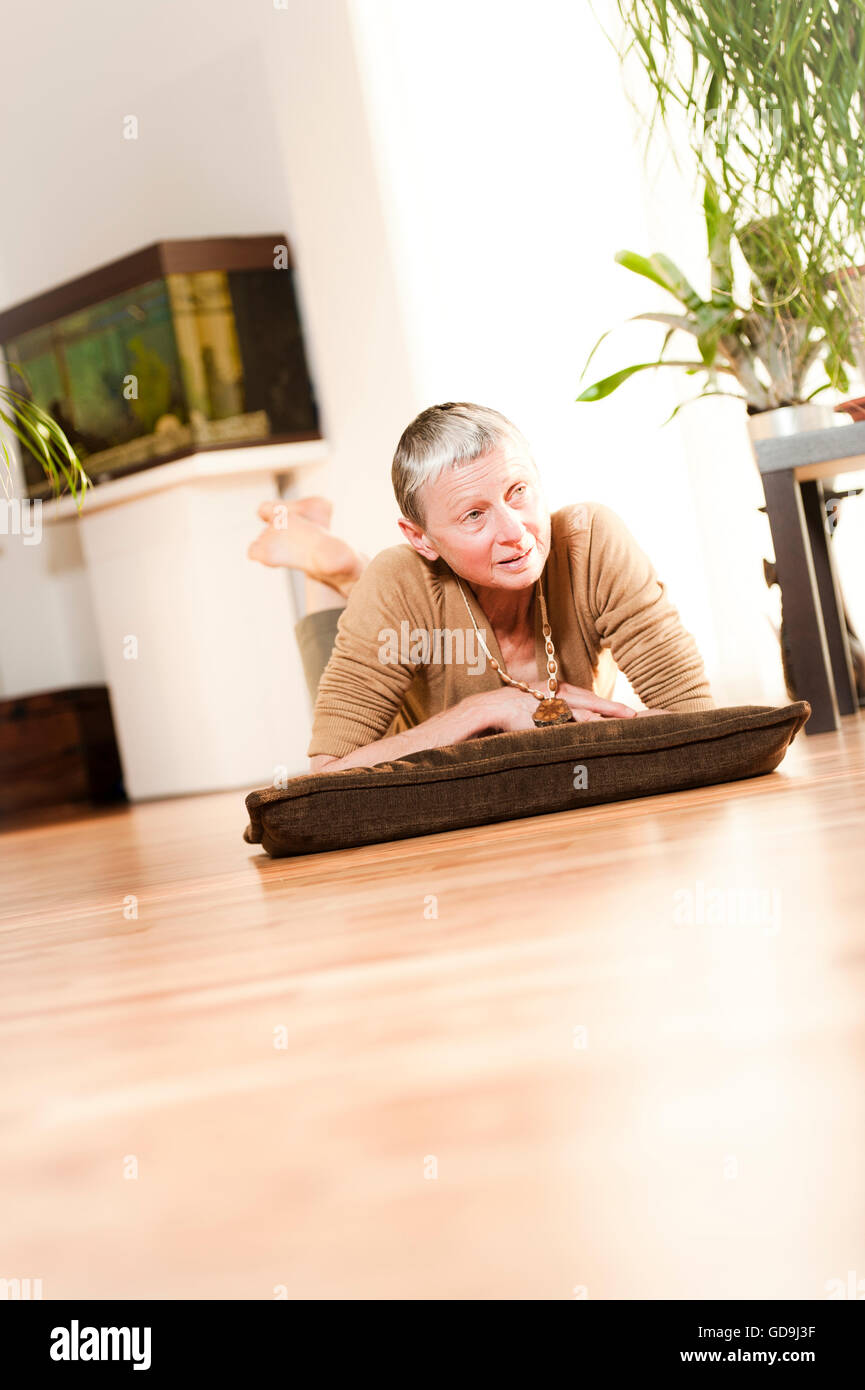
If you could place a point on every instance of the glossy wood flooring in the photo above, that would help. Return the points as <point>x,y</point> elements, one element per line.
<point>626,1059</point>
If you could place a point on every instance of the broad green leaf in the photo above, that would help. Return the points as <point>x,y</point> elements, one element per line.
<point>608,384</point>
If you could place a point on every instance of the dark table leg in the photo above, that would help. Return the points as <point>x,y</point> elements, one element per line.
<point>803,618</point>
<point>831,602</point>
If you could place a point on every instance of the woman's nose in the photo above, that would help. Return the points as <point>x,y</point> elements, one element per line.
<point>511,526</point>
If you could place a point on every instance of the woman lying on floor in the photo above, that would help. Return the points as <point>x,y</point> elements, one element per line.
<point>412,650</point>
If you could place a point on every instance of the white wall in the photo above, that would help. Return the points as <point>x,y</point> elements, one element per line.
<point>250,121</point>
<point>455,179</point>
<point>510,176</point>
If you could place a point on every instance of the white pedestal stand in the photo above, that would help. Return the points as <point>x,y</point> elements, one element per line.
<point>206,684</point>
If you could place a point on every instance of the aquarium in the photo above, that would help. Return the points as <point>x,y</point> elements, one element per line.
<point>191,359</point>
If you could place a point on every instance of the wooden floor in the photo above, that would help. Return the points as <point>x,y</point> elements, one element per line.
<point>567,1084</point>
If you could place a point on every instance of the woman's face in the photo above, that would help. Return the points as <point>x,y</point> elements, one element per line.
<point>487,519</point>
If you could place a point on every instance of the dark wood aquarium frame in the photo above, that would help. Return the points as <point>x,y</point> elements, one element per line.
<point>150,263</point>
<point>181,256</point>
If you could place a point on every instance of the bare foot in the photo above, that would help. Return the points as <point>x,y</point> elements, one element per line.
<point>296,541</point>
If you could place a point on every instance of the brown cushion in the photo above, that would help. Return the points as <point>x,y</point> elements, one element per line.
<point>505,776</point>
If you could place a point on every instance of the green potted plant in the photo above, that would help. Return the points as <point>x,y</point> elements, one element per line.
<point>38,433</point>
<point>761,351</point>
<point>771,96</point>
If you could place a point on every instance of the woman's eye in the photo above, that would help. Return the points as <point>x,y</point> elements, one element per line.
<point>470,516</point>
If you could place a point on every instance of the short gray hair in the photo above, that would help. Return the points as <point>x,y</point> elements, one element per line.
<point>443,436</point>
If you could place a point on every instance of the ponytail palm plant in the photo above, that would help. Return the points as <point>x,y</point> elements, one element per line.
<point>38,433</point>
<point>772,93</point>
<point>771,96</point>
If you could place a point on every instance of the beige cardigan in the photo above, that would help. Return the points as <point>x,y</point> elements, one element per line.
<point>607,610</point>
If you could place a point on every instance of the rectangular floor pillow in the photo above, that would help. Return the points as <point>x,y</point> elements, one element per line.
<point>506,776</point>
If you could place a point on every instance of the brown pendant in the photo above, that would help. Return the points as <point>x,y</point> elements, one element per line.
<point>553,711</point>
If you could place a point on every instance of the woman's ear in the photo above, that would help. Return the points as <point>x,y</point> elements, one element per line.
<point>417,537</point>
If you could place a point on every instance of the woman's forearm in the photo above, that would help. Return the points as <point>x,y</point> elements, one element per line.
<point>453,725</point>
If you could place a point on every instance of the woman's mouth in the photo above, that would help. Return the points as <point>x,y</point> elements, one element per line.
<point>517,562</point>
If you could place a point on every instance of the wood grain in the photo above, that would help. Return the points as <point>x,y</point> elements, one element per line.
<point>618,1099</point>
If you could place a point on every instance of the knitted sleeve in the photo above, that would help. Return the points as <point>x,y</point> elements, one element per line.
<point>635,619</point>
<point>371,666</point>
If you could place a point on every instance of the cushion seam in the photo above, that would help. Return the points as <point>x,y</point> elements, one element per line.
<point>506,761</point>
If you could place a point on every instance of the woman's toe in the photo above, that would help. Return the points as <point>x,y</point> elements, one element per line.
<point>278,509</point>
<point>265,549</point>
<point>317,509</point>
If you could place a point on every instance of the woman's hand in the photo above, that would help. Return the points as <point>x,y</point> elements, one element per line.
<point>585,704</point>
<point>506,709</point>
<point>510,710</point>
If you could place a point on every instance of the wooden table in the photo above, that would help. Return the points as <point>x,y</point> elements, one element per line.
<point>792,470</point>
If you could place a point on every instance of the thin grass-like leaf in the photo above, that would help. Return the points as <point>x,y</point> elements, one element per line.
<point>42,437</point>
<point>732,395</point>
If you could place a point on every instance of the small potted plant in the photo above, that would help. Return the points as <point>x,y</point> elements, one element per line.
<point>762,351</point>
<point>769,102</point>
